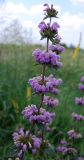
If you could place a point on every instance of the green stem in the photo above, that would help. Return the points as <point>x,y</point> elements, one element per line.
<point>43,75</point>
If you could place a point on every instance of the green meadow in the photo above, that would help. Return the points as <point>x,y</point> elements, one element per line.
<point>16,67</point>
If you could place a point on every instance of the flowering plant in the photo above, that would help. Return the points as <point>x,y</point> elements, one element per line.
<point>34,140</point>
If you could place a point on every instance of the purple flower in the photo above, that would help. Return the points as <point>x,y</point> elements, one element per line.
<point>50,84</point>
<point>47,7</point>
<point>81,87</point>
<point>77,117</point>
<point>18,138</point>
<point>55,91</point>
<point>24,147</point>
<point>36,142</point>
<point>49,11</point>
<point>70,151</point>
<point>48,58</point>
<point>48,30</point>
<point>20,154</point>
<point>34,151</point>
<point>55,27</point>
<point>74,135</point>
<point>79,101</point>
<point>50,101</point>
<point>63,142</point>
<point>42,26</point>
<point>65,150</point>
<point>57,48</point>
<point>33,114</point>
<point>59,64</point>
<point>60,149</point>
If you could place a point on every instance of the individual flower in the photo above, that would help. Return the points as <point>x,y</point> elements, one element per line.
<point>79,101</point>
<point>50,101</point>
<point>42,26</point>
<point>49,84</point>
<point>55,26</point>
<point>77,117</point>
<point>36,142</point>
<point>81,87</point>
<point>48,58</point>
<point>19,135</point>
<point>35,115</point>
<point>57,48</point>
<point>46,7</point>
<point>19,140</point>
<point>74,135</point>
